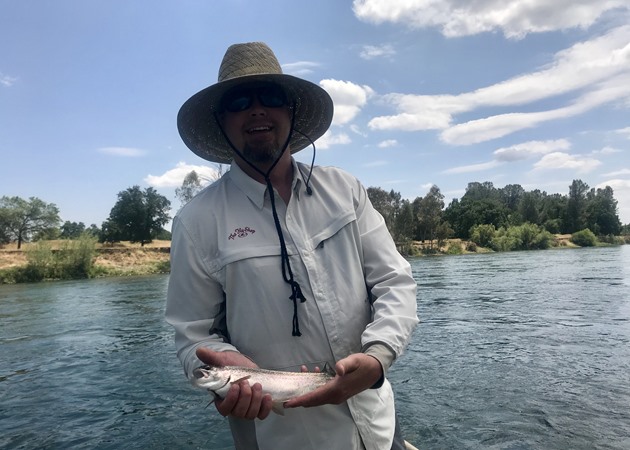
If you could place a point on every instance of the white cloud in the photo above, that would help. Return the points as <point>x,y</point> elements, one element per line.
<point>357,130</point>
<point>126,152</point>
<point>6,80</point>
<point>329,139</point>
<point>560,160</point>
<point>624,131</point>
<point>388,143</point>
<point>372,51</point>
<point>348,97</point>
<point>515,18</point>
<point>174,177</point>
<point>473,167</point>
<point>617,173</point>
<point>597,70</point>
<point>528,149</point>
<point>300,68</point>
<point>606,151</point>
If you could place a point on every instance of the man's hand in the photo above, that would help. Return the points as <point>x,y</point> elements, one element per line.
<point>355,374</point>
<point>242,400</point>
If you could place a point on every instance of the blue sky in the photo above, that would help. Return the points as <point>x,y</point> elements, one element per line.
<point>426,92</point>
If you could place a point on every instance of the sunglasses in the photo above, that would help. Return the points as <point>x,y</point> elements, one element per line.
<point>242,98</point>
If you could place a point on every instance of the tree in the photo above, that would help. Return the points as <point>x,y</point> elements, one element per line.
<point>405,224</point>
<point>576,206</point>
<point>528,207</point>
<point>21,219</point>
<point>429,214</point>
<point>386,203</point>
<point>71,230</point>
<point>189,188</point>
<point>193,183</point>
<point>601,212</point>
<point>511,195</point>
<point>137,216</point>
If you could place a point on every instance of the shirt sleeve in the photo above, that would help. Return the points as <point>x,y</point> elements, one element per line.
<point>195,305</point>
<point>390,282</point>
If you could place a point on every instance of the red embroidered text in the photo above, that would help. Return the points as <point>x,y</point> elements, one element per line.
<point>241,233</point>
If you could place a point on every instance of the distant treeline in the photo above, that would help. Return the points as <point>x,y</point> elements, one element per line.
<point>137,216</point>
<point>500,210</point>
<point>140,215</point>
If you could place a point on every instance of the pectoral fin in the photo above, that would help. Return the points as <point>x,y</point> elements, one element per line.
<point>247,377</point>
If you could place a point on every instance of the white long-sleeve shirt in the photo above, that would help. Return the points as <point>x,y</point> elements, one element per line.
<point>226,292</point>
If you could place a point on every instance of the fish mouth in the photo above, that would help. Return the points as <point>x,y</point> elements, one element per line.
<point>199,373</point>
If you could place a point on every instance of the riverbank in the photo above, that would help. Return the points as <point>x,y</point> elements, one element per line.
<point>132,259</point>
<point>119,259</point>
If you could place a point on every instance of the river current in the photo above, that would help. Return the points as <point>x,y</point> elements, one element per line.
<point>520,350</point>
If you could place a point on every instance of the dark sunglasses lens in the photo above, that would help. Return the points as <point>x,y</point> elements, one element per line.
<point>242,99</point>
<point>239,101</point>
<point>272,97</point>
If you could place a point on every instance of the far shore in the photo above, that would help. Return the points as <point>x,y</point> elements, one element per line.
<point>119,259</point>
<point>126,258</point>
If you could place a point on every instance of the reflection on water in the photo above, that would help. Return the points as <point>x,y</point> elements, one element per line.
<point>523,350</point>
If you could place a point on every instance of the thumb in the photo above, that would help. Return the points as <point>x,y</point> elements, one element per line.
<point>346,365</point>
<point>210,357</point>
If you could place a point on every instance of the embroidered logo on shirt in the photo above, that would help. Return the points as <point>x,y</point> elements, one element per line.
<point>241,233</point>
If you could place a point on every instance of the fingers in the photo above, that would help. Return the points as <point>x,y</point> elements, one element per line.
<point>220,359</point>
<point>245,402</point>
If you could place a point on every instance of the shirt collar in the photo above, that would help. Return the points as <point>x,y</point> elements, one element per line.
<point>254,190</point>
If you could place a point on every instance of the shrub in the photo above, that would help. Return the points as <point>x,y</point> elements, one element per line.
<point>74,260</point>
<point>584,238</point>
<point>454,248</point>
<point>483,234</point>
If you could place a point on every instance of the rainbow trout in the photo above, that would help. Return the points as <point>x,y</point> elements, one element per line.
<point>280,385</point>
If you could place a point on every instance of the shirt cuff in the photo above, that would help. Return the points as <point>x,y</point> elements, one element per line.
<point>385,356</point>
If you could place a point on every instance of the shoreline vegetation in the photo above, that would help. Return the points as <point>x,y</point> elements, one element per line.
<point>86,258</point>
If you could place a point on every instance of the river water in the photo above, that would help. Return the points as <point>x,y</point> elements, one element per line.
<point>522,350</point>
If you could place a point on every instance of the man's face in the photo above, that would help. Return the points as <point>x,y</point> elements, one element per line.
<point>256,118</point>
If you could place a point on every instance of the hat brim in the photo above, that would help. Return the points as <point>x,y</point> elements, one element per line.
<point>198,127</point>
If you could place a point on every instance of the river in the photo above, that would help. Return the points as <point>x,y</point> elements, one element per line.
<point>521,350</point>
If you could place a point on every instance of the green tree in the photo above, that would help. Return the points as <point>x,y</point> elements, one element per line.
<point>20,219</point>
<point>137,216</point>
<point>601,212</point>
<point>511,196</point>
<point>528,207</point>
<point>405,223</point>
<point>386,203</point>
<point>464,214</point>
<point>553,213</point>
<point>576,206</point>
<point>429,214</point>
<point>71,230</point>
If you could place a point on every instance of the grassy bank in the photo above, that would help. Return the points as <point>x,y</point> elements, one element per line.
<point>62,259</point>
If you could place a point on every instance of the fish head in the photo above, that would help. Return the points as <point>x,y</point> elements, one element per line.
<point>210,378</point>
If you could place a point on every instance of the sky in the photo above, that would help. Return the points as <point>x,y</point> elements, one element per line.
<point>426,92</point>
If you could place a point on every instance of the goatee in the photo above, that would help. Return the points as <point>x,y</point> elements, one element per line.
<point>262,154</point>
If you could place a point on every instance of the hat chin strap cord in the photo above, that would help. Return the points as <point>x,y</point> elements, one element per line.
<point>287,273</point>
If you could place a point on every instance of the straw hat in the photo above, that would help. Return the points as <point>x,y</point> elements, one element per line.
<point>245,63</point>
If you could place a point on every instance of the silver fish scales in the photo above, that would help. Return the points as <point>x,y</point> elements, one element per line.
<point>280,385</point>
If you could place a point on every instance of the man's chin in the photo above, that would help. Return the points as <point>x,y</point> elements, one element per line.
<point>261,155</point>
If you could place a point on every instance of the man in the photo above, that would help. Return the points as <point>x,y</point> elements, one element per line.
<point>284,266</point>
